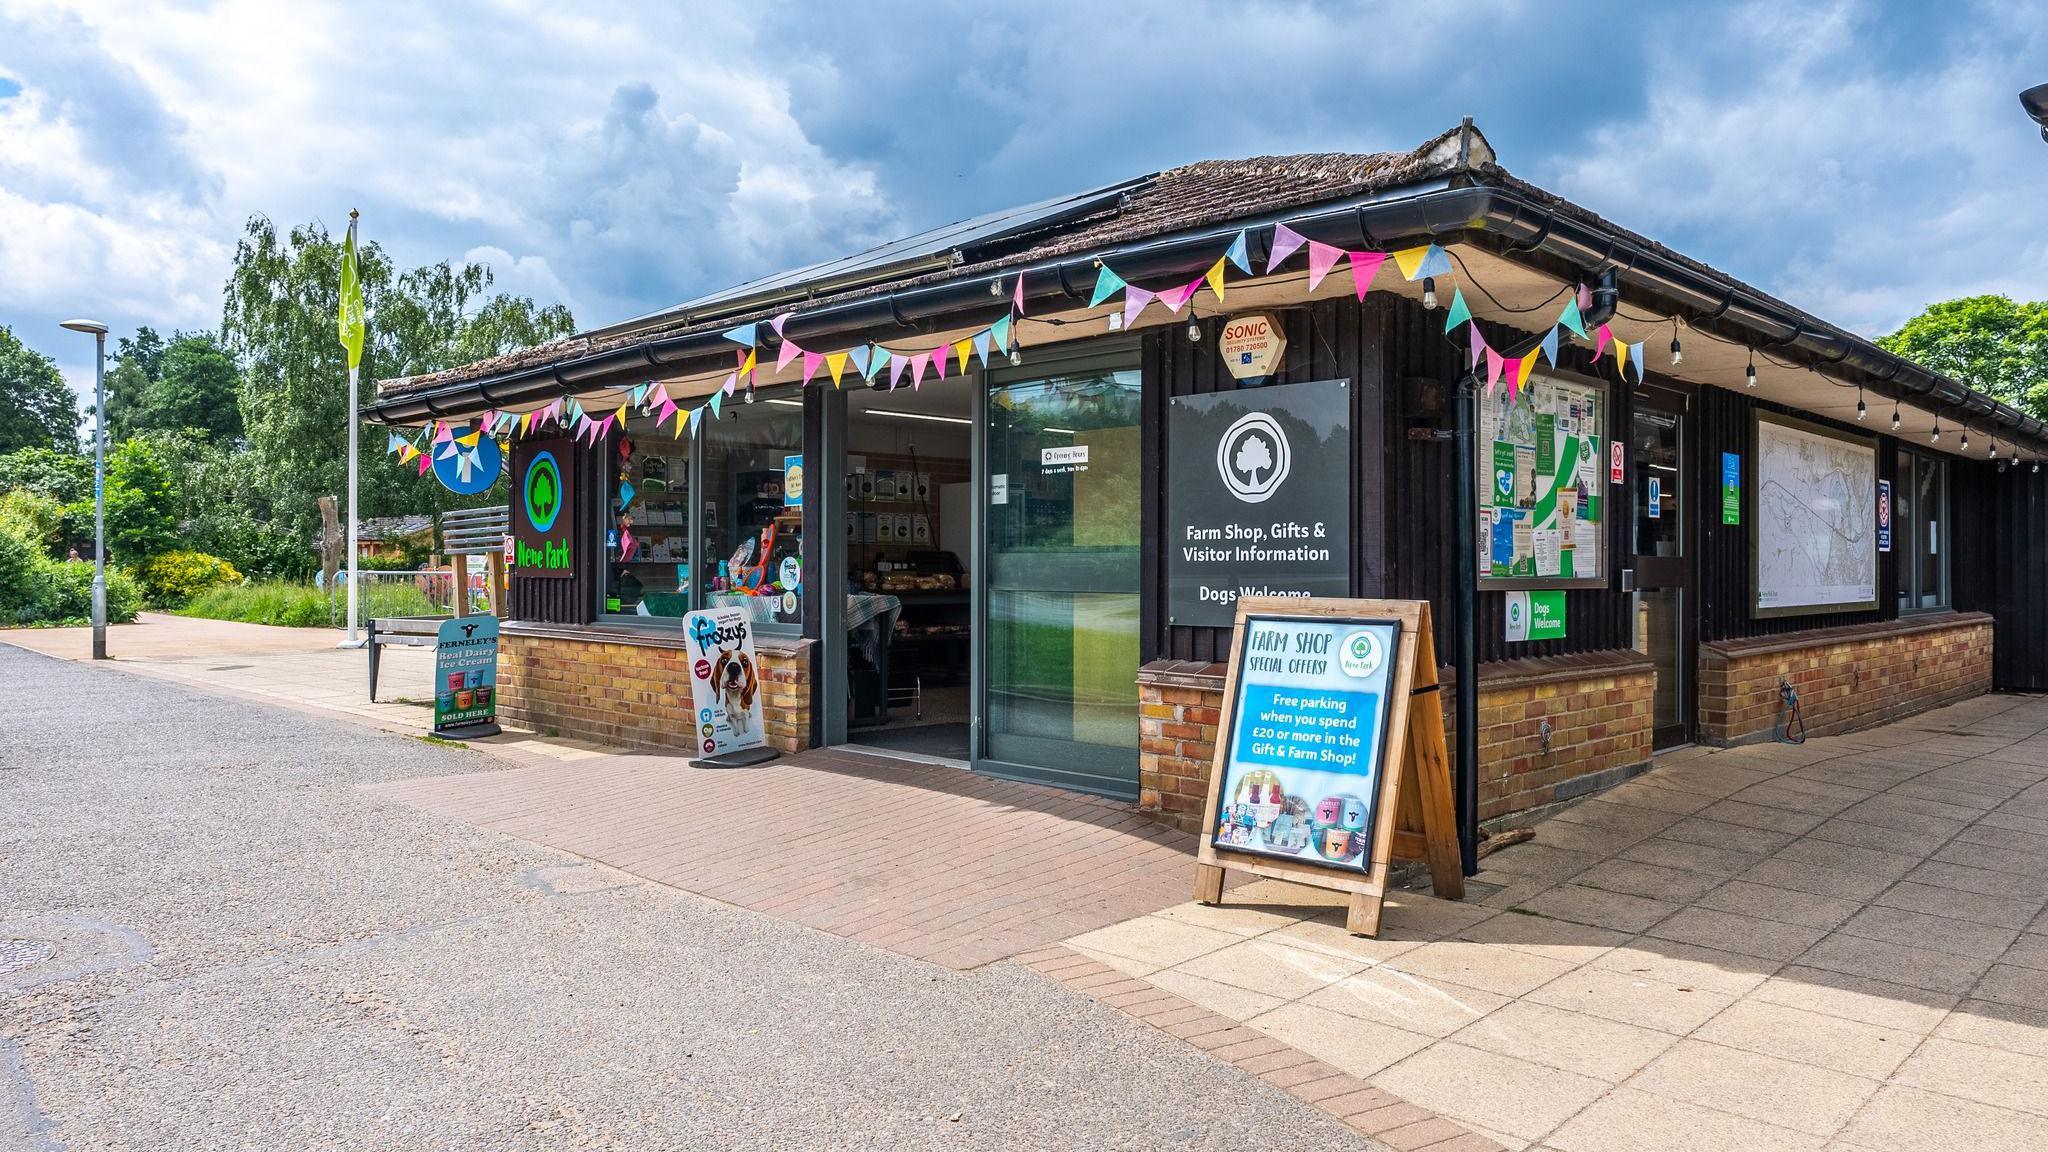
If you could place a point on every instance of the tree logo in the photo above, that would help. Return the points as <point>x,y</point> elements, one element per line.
<point>1253,457</point>
<point>542,491</point>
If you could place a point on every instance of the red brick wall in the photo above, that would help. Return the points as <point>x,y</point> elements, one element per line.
<point>635,693</point>
<point>1847,678</point>
<point>1598,707</point>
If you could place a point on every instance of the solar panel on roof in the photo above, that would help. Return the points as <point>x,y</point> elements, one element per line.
<point>879,262</point>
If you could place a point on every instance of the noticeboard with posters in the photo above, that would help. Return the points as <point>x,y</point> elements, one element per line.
<point>1542,499</point>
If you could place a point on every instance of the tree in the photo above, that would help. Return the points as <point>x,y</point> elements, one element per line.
<point>279,323</point>
<point>142,504</point>
<point>65,476</point>
<point>131,372</point>
<point>37,409</point>
<point>197,386</point>
<point>1990,343</point>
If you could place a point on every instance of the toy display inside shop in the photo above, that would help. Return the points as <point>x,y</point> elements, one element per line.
<point>752,525</point>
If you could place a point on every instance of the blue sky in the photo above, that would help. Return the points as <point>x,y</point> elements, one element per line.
<point>1858,159</point>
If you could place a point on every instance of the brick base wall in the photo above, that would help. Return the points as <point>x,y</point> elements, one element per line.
<point>1597,705</point>
<point>1847,678</point>
<point>633,691</point>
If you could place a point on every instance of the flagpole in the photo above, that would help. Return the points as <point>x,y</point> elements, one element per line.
<point>354,430</point>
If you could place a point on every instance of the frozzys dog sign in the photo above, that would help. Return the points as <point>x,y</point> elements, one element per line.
<point>725,681</point>
<point>1317,745</point>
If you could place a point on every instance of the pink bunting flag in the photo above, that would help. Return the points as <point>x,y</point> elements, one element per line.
<point>444,434</point>
<point>668,409</point>
<point>1285,241</point>
<point>811,362</point>
<point>1321,258</point>
<point>1176,299</point>
<point>1017,302</point>
<point>779,321</point>
<point>1135,300</point>
<point>788,352</point>
<point>938,358</point>
<point>1585,297</point>
<point>426,462</point>
<point>1364,265</point>
<point>660,395</point>
<point>1478,346</point>
<point>918,364</point>
<point>731,378</point>
<point>1600,338</point>
<point>898,365</point>
<point>1494,363</point>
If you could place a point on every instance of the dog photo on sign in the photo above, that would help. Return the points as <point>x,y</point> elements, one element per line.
<point>733,677</point>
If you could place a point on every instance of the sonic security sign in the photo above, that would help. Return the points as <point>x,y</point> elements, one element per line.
<point>1258,498</point>
<point>1253,345</point>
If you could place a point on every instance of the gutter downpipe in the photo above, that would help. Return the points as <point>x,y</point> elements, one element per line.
<point>1467,517</point>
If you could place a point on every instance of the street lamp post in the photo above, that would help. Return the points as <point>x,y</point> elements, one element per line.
<point>98,332</point>
<point>2035,101</point>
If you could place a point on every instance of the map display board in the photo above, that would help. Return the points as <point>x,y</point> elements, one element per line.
<point>1814,524</point>
<point>1542,500</point>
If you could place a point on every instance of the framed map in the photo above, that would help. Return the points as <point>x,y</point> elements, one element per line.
<point>1543,484</point>
<point>1813,535</point>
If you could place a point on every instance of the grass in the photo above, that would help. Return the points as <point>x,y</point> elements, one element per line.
<point>300,605</point>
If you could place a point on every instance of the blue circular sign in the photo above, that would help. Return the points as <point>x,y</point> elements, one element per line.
<point>541,490</point>
<point>483,469</point>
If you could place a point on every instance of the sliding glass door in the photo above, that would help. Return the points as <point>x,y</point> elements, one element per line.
<point>1060,596</point>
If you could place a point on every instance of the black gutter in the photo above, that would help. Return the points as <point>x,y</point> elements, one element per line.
<point>1469,213</point>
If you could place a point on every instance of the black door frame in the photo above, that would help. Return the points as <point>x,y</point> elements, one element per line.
<point>1680,572</point>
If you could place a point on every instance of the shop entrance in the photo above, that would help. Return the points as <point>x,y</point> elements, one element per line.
<point>909,569</point>
<point>1659,452</point>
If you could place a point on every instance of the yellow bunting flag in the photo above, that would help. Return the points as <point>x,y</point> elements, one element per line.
<point>747,368</point>
<point>963,350</point>
<point>1215,278</point>
<point>835,363</point>
<point>468,440</point>
<point>622,414</point>
<point>525,422</point>
<point>1621,358</point>
<point>1522,367</point>
<point>1410,261</point>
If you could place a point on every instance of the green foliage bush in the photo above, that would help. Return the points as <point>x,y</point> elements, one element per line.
<point>35,517</point>
<point>34,589</point>
<point>173,578</point>
<point>300,605</point>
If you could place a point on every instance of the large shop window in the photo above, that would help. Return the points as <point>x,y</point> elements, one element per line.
<point>647,528</point>
<point>1919,547</point>
<point>1542,484</point>
<point>752,484</point>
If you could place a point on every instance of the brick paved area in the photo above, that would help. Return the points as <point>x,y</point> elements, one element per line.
<point>1841,945</point>
<point>931,862</point>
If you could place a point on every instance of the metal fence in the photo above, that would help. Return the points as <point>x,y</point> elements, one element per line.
<point>429,592</point>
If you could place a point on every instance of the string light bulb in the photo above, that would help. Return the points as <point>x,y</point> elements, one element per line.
<point>1993,452</point>
<point>1935,436</point>
<point>2036,469</point>
<point>1677,353</point>
<point>1861,411</point>
<point>1895,415</point>
<point>1966,437</point>
<point>1429,291</point>
<point>2015,457</point>
<point>750,391</point>
<point>1016,353</point>
<point>1749,373</point>
<point>1194,331</point>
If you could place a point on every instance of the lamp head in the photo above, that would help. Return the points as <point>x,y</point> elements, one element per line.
<point>2035,101</point>
<point>89,327</point>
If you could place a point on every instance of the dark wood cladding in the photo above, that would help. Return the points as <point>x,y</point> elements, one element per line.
<point>1326,340</point>
<point>1725,422</point>
<point>574,600</point>
<point>2000,565</point>
<point>1403,372</point>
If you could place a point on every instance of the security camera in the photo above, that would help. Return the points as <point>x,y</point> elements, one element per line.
<point>2035,101</point>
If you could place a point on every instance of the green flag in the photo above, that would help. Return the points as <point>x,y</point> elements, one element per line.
<point>351,299</point>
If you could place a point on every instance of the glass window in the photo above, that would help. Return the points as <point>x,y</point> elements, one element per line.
<point>647,530</point>
<point>1919,530</point>
<point>752,495</point>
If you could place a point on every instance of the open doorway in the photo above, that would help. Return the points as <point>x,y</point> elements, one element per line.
<point>909,552</point>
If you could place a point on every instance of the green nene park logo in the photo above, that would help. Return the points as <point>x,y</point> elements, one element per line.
<point>541,491</point>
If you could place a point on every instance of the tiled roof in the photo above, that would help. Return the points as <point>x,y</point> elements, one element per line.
<point>1180,199</point>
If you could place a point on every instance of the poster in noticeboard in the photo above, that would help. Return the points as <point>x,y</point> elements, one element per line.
<point>1307,740</point>
<point>1542,507</point>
